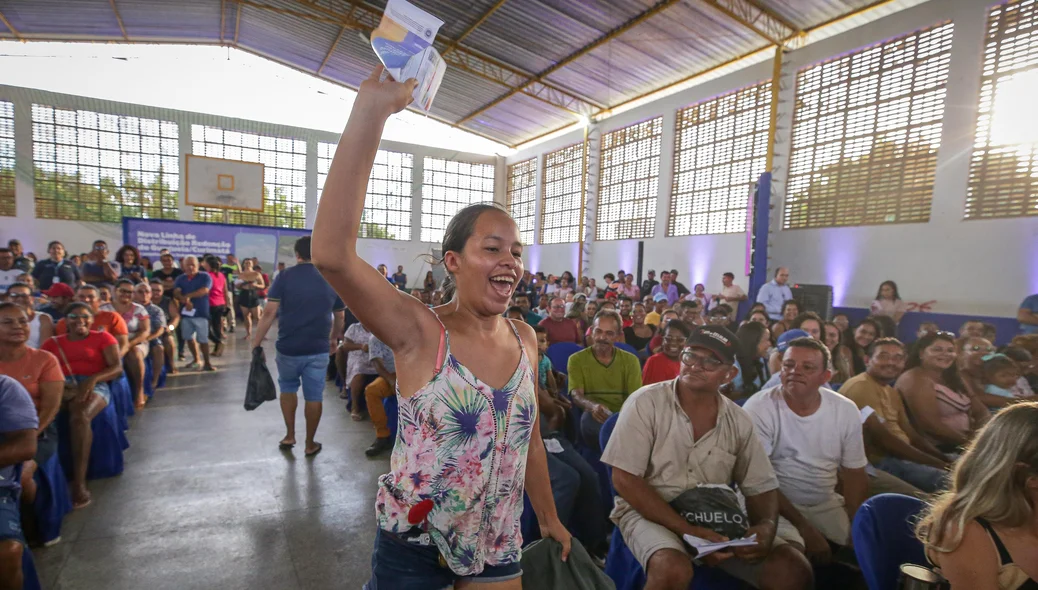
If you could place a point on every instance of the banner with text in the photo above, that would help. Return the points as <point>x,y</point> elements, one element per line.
<point>268,244</point>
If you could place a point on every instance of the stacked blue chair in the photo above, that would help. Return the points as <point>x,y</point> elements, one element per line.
<point>30,579</point>
<point>52,501</point>
<point>392,408</point>
<point>559,354</point>
<point>106,452</point>
<point>122,400</point>
<point>627,347</point>
<point>884,540</point>
<point>625,571</point>
<point>149,376</point>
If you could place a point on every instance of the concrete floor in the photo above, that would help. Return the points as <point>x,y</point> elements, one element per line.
<point>208,501</point>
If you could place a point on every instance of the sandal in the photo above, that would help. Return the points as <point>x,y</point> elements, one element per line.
<point>313,452</point>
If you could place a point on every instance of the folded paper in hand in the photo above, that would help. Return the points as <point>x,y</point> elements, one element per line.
<point>704,547</point>
<point>403,43</point>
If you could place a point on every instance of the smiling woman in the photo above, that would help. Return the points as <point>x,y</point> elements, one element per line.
<point>451,421</point>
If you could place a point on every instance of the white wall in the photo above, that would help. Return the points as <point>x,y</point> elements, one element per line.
<point>78,236</point>
<point>978,267</point>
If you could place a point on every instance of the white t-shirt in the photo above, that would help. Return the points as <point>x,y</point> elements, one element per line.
<point>807,451</point>
<point>8,278</point>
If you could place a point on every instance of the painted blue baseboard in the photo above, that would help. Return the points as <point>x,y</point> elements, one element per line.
<point>1007,327</point>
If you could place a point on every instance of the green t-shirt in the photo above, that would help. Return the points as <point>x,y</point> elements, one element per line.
<point>609,385</point>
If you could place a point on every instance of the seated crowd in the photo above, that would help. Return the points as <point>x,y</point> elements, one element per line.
<point>784,420</point>
<point>831,413</point>
<point>71,327</point>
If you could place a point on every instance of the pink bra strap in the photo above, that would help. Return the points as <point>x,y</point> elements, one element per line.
<point>441,352</point>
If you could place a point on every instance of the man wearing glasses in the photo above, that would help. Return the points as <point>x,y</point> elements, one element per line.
<point>674,436</point>
<point>813,437</point>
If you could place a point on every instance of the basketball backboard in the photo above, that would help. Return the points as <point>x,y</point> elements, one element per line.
<point>224,184</point>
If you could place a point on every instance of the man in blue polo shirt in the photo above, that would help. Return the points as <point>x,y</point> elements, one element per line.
<point>191,289</point>
<point>18,423</point>
<point>310,321</point>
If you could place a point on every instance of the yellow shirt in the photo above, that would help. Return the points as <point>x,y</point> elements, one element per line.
<point>865,391</point>
<point>652,318</point>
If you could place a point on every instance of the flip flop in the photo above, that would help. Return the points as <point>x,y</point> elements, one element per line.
<point>284,446</point>
<point>76,505</point>
<point>315,451</point>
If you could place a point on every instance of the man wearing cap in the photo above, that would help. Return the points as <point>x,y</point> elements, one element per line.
<point>56,269</point>
<point>667,288</point>
<point>60,295</point>
<point>674,436</point>
<point>601,377</point>
<point>660,303</point>
<point>813,437</point>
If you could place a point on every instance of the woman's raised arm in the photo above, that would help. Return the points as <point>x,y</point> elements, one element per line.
<point>393,316</point>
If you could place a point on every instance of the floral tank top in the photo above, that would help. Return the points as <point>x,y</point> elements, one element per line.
<point>463,444</point>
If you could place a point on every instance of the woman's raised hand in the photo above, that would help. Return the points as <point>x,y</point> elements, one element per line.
<point>388,94</point>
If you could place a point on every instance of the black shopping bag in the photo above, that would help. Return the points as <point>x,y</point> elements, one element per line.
<point>260,387</point>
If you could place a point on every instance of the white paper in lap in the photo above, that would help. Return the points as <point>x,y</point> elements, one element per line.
<point>226,184</point>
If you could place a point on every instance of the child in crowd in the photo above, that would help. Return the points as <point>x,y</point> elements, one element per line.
<point>926,328</point>
<point>515,313</point>
<point>1000,375</point>
<point>553,407</point>
<point>1025,363</point>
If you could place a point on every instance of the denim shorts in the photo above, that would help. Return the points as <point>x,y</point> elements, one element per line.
<point>195,329</point>
<point>397,564</point>
<point>309,369</point>
<point>10,516</point>
<point>101,388</point>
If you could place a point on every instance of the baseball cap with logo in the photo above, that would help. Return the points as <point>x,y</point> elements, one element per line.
<point>717,339</point>
<point>659,297</point>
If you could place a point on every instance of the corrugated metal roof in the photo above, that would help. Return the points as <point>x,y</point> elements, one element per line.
<point>515,41</point>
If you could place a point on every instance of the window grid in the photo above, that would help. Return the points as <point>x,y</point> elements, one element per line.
<point>7,159</point>
<point>387,205</point>
<point>284,174</point>
<point>721,150</point>
<point>449,186</point>
<point>629,181</point>
<point>1003,179</point>
<point>561,222</point>
<point>866,133</point>
<point>522,195</point>
<point>92,166</point>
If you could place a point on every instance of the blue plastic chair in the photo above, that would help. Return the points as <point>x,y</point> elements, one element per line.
<point>884,540</point>
<point>559,354</point>
<point>149,375</point>
<point>52,501</point>
<point>30,579</point>
<point>122,400</point>
<point>106,452</point>
<point>622,567</point>
<point>627,347</point>
<point>528,524</point>
<point>392,409</point>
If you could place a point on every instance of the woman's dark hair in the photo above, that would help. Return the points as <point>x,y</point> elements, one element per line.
<point>127,248</point>
<point>758,306</point>
<point>77,305</point>
<point>951,374</point>
<point>51,245</point>
<point>678,325</point>
<point>459,230</point>
<point>805,316</point>
<point>997,362</point>
<point>761,311</point>
<point>752,366</point>
<point>893,286</point>
<point>858,352</point>
<point>789,302</point>
<point>1017,353</point>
